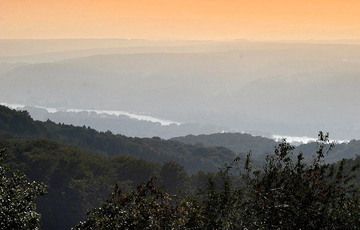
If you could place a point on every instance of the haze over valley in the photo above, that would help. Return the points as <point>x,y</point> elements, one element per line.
<point>266,88</point>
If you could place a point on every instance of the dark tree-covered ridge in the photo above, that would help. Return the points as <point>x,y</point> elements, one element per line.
<point>192,158</point>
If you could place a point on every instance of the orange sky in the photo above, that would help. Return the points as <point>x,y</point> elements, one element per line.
<point>181,19</point>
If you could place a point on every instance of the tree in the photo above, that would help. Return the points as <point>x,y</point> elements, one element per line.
<point>290,194</point>
<point>145,208</point>
<point>18,199</point>
<point>173,178</point>
<point>287,194</point>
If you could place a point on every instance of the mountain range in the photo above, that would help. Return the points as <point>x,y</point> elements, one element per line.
<point>276,88</point>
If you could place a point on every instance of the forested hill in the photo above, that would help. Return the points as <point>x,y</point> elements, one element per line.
<point>76,180</point>
<point>19,124</point>
<point>79,165</point>
<point>237,142</point>
<point>261,146</point>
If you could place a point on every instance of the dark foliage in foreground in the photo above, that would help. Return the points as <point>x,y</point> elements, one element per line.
<point>286,194</point>
<point>292,195</point>
<point>76,180</point>
<point>145,208</point>
<point>18,199</point>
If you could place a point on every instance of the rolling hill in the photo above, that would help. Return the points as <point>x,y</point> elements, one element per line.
<point>193,158</point>
<point>261,146</point>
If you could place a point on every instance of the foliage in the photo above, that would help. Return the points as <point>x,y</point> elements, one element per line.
<point>286,194</point>
<point>18,199</point>
<point>173,178</point>
<point>293,195</point>
<point>145,208</point>
<point>77,180</point>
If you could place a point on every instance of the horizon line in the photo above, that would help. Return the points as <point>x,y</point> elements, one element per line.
<point>333,41</point>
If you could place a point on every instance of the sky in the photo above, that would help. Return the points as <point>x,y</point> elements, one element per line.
<point>181,19</point>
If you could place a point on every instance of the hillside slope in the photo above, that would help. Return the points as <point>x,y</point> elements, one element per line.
<point>193,158</point>
<point>260,146</point>
<point>76,180</point>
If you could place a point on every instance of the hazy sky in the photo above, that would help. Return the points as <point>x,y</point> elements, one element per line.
<point>181,19</point>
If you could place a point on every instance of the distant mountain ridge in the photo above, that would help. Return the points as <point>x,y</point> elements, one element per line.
<point>19,124</point>
<point>138,125</point>
<point>287,84</point>
<point>99,112</point>
<point>203,152</point>
<point>118,122</point>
